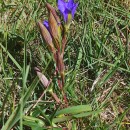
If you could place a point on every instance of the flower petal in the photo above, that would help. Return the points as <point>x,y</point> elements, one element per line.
<point>74,9</point>
<point>46,24</point>
<point>65,14</point>
<point>70,4</point>
<point>67,8</point>
<point>61,5</point>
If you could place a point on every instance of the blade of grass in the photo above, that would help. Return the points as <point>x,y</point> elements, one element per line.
<point>15,116</point>
<point>11,57</point>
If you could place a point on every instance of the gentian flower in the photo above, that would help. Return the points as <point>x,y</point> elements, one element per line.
<point>46,24</point>
<point>67,9</point>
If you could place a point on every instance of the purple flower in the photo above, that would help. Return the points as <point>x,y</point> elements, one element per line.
<point>46,24</point>
<point>67,8</point>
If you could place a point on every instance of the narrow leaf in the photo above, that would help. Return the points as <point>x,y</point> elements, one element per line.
<point>86,114</point>
<point>62,119</point>
<point>74,110</point>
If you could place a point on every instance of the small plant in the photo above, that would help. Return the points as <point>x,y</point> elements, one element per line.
<point>54,33</point>
<point>85,72</point>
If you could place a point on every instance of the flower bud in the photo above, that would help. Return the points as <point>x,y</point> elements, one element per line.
<point>54,29</point>
<point>42,77</point>
<point>52,10</point>
<point>46,36</point>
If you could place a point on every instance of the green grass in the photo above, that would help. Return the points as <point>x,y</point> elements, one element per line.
<point>97,62</point>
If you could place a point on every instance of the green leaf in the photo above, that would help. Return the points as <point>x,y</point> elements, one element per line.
<point>82,114</point>
<point>87,114</point>
<point>57,129</point>
<point>74,110</point>
<point>79,59</point>
<point>62,119</point>
<point>34,123</point>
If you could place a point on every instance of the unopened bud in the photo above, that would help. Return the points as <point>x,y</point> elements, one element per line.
<point>54,30</point>
<point>46,36</point>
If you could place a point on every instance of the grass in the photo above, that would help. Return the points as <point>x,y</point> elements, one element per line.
<point>97,62</point>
